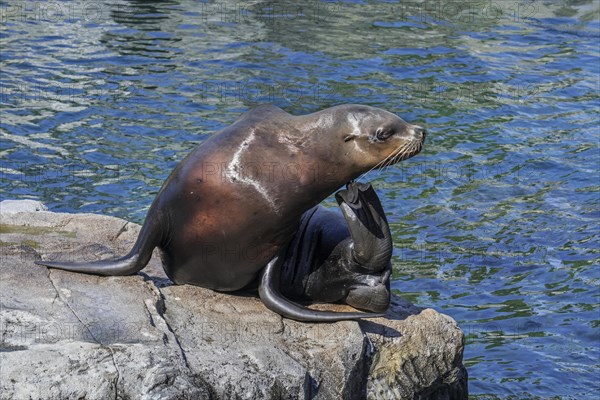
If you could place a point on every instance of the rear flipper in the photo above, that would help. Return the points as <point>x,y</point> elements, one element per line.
<point>370,250</point>
<point>373,295</point>
<point>275,301</point>
<point>368,226</point>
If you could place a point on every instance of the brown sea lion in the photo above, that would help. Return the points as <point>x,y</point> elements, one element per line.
<point>244,203</point>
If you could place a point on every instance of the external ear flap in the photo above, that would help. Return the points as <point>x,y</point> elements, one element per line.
<point>349,137</point>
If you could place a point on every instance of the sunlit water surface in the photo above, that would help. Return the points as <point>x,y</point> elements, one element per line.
<point>495,222</point>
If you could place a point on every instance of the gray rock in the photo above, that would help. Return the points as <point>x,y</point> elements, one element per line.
<point>71,336</point>
<point>15,206</point>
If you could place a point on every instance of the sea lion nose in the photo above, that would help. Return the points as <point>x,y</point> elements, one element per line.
<point>419,132</point>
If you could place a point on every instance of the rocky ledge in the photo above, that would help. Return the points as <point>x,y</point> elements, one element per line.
<point>75,336</point>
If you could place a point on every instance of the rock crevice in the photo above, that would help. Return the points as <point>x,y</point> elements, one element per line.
<point>159,312</point>
<point>89,332</point>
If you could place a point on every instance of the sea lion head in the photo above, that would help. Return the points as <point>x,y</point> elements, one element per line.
<point>378,137</point>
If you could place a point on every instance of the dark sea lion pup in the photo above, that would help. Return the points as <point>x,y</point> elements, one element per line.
<point>244,203</point>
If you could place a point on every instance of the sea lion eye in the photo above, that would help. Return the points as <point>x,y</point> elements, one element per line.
<point>383,134</point>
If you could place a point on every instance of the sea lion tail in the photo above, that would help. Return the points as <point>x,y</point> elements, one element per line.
<point>137,258</point>
<point>275,301</point>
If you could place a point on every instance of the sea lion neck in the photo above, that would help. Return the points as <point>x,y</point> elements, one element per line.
<point>313,124</point>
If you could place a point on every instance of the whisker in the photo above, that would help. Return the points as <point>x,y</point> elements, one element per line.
<point>401,153</point>
<point>390,159</point>
<point>382,162</point>
<point>376,165</point>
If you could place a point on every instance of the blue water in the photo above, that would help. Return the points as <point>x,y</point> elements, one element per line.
<point>495,222</point>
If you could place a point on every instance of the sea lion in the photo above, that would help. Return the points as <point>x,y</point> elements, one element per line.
<point>231,209</point>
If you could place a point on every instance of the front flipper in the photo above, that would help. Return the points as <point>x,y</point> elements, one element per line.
<point>276,302</point>
<point>372,240</point>
<point>133,262</point>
